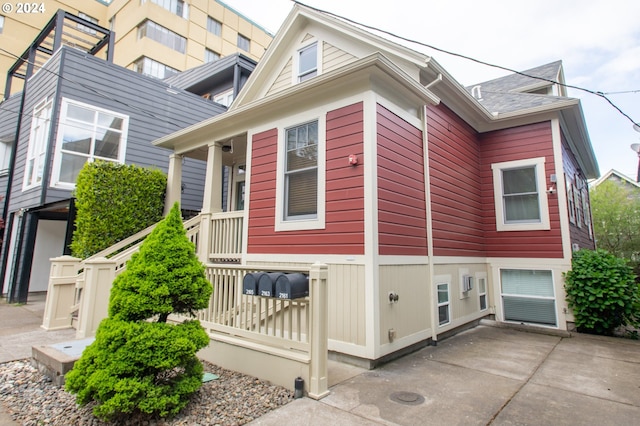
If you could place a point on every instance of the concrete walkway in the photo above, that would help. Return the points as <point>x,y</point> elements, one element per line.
<point>486,375</point>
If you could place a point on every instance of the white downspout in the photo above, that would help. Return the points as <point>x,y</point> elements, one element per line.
<point>427,182</point>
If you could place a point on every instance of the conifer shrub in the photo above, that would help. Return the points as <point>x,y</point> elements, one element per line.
<point>139,362</point>
<point>602,292</point>
<point>114,201</point>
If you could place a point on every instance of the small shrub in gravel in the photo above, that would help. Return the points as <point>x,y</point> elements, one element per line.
<point>233,399</point>
<point>139,362</point>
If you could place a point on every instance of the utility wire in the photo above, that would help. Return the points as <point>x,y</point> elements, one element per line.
<point>459,55</point>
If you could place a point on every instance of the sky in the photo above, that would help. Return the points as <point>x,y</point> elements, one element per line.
<point>597,40</point>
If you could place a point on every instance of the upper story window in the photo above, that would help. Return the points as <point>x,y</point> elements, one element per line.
<point>225,98</point>
<point>38,142</point>
<point>244,43</point>
<point>148,66</point>
<point>308,62</point>
<point>87,133</point>
<point>162,35</point>
<point>519,194</point>
<point>178,7</point>
<point>5,157</point>
<point>214,26</point>
<point>210,55</point>
<point>1,23</point>
<point>85,28</point>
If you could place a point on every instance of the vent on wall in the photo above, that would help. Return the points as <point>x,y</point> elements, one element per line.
<point>575,247</point>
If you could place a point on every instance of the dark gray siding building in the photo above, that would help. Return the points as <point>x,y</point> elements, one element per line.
<point>79,108</point>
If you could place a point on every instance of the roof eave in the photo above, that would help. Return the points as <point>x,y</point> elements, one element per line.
<point>245,115</point>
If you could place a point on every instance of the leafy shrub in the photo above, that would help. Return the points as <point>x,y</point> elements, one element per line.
<point>602,292</point>
<point>137,364</point>
<point>113,202</point>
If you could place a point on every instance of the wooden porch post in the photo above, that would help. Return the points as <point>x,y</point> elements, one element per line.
<point>318,383</point>
<point>174,182</point>
<point>60,293</point>
<point>94,304</point>
<point>212,199</point>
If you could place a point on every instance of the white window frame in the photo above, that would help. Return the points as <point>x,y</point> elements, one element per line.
<point>481,277</point>
<point>298,77</point>
<point>1,24</point>
<point>554,297</point>
<point>543,223</point>
<point>5,156</point>
<point>303,75</point>
<point>317,222</point>
<point>441,304</point>
<point>38,143</point>
<point>225,98</point>
<point>91,156</point>
<point>570,201</point>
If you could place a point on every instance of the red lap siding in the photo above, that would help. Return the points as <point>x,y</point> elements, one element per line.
<point>519,143</point>
<point>454,167</point>
<point>401,195</point>
<point>344,219</point>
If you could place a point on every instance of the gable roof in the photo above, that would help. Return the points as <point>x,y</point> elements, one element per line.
<point>498,111</point>
<point>614,174</point>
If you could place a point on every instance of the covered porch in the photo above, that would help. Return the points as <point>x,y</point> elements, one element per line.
<point>221,219</point>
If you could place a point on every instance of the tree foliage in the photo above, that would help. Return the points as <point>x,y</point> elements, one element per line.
<point>602,292</point>
<point>113,202</point>
<point>615,206</point>
<point>139,362</point>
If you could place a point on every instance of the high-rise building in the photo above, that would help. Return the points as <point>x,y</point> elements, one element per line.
<point>154,37</point>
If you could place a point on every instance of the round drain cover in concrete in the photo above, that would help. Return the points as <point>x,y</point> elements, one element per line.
<point>407,398</point>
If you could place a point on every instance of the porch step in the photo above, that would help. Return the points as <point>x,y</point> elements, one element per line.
<point>54,361</point>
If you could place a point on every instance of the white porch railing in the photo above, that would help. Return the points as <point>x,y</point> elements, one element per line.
<point>259,328</point>
<point>289,330</point>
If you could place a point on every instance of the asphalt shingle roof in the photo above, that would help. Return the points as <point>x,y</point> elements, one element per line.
<point>508,93</point>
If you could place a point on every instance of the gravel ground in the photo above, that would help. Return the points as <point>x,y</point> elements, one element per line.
<point>233,399</point>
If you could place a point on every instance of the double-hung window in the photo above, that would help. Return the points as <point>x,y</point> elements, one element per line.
<point>37,150</point>
<point>444,313</point>
<point>520,196</point>
<point>308,62</point>
<point>482,292</point>
<point>301,172</point>
<point>87,133</point>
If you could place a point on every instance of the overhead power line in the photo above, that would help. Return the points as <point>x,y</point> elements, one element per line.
<point>469,58</point>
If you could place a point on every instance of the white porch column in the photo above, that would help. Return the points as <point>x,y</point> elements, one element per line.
<point>212,200</point>
<point>318,375</point>
<point>174,182</point>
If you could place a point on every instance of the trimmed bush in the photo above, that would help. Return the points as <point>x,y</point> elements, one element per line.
<point>602,292</point>
<point>113,202</point>
<point>139,362</point>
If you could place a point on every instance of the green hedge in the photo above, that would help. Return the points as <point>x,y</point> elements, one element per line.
<point>602,292</point>
<point>113,202</point>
